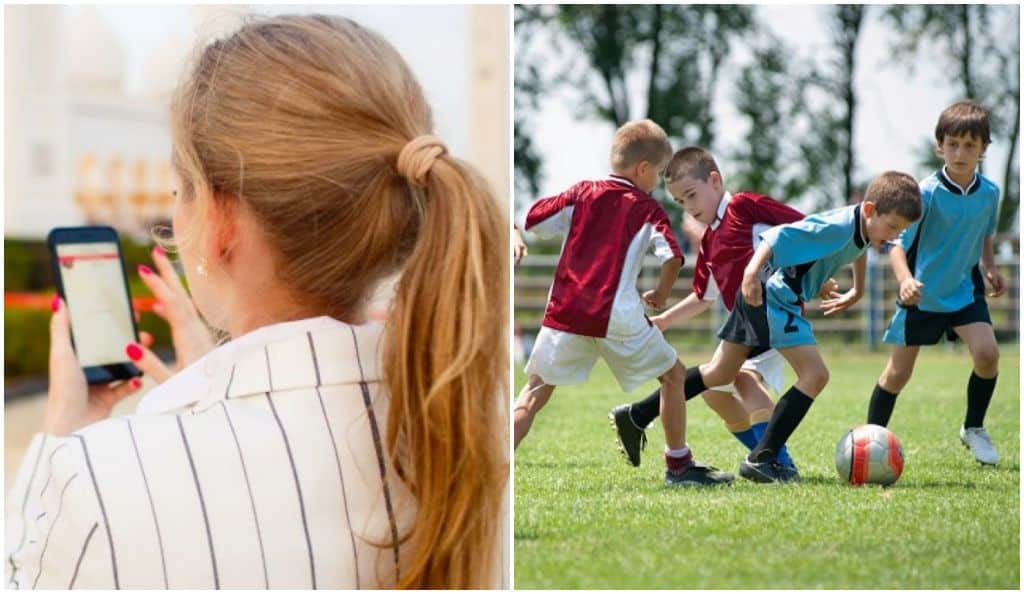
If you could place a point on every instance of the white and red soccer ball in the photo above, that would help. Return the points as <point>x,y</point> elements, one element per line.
<point>869,454</point>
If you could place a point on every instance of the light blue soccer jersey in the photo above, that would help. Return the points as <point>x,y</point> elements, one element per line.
<point>808,252</point>
<point>944,245</point>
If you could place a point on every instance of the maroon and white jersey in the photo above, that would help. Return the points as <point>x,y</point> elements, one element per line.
<point>729,241</point>
<point>608,225</point>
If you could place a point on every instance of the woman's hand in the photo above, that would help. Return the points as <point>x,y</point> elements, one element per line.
<point>72,402</point>
<point>189,334</point>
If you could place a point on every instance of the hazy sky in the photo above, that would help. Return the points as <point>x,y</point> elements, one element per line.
<point>897,110</point>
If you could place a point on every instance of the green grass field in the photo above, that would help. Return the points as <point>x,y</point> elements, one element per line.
<point>584,518</point>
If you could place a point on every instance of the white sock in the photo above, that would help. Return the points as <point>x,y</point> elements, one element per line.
<point>680,453</point>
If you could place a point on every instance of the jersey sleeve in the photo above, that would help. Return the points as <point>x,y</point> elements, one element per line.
<point>764,209</point>
<point>994,217</point>
<point>55,533</point>
<point>663,240</point>
<point>703,282</point>
<point>805,241</point>
<point>552,217</point>
<point>906,239</point>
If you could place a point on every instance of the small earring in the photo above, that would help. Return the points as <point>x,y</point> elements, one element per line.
<point>201,268</point>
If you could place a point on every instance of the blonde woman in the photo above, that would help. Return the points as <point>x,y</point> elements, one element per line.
<point>315,449</point>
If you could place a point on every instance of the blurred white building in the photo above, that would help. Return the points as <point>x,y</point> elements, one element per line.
<point>87,89</point>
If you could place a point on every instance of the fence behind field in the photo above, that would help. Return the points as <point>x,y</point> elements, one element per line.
<point>865,322</point>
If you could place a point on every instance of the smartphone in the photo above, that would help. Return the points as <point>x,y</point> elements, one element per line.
<point>89,271</point>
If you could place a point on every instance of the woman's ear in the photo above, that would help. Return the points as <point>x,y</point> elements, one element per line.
<point>223,212</point>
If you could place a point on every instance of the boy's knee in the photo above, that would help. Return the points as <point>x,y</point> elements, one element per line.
<point>815,379</point>
<point>986,357</point>
<point>675,376</point>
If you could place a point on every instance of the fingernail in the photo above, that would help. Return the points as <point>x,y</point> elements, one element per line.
<point>134,351</point>
<point>136,383</point>
<point>159,250</point>
<point>55,304</point>
<point>145,270</point>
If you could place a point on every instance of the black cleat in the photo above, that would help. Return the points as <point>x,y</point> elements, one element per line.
<point>698,475</point>
<point>767,469</point>
<point>631,438</point>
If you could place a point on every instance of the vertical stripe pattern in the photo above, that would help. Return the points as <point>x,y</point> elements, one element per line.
<point>202,503</point>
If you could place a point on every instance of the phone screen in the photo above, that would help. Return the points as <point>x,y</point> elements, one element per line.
<point>101,319</point>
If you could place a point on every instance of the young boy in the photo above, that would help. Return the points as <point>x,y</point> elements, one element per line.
<point>801,257</point>
<point>732,222</point>
<point>594,309</point>
<point>941,287</point>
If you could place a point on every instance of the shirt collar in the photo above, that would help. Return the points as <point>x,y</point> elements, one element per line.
<point>858,237</point>
<point>289,355</point>
<point>720,213</point>
<point>954,187</point>
<point>620,179</point>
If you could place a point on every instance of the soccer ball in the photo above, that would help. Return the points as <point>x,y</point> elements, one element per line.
<point>869,454</point>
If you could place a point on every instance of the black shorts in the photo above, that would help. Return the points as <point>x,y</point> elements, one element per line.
<point>748,325</point>
<point>914,327</point>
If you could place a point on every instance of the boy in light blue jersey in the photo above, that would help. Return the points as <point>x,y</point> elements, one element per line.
<point>942,291</point>
<point>801,256</point>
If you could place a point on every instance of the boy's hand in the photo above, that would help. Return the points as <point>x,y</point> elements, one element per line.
<point>660,321</point>
<point>654,300</point>
<point>996,281</point>
<point>829,290</point>
<point>751,288</point>
<point>838,302</point>
<point>518,246</point>
<point>910,291</point>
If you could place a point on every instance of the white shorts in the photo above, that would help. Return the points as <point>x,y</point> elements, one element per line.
<point>562,358</point>
<point>770,365</point>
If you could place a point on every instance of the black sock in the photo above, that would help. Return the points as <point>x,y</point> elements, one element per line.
<point>693,386</point>
<point>979,394</point>
<point>643,412</point>
<point>880,408</point>
<point>789,411</point>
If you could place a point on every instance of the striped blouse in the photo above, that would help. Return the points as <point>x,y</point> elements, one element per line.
<point>269,472</point>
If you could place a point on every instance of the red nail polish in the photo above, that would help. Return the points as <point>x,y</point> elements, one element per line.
<point>159,250</point>
<point>136,383</point>
<point>134,351</point>
<point>55,304</point>
<point>145,270</point>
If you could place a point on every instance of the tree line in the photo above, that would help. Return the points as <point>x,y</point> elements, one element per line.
<point>799,112</point>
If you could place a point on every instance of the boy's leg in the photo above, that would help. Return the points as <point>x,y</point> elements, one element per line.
<point>733,414</point>
<point>981,341</point>
<point>631,420</point>
<point>682,470</point>
<point>758,407</point>
<point>534,395</point>
<point>812,376</point>
<point>894,378</point>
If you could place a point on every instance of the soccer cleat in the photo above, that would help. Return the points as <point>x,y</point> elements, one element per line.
<point>784,458</point>
<point>631,438</point>
<point>977,440</point>
<point>767,469</point>
<point>698,475</point>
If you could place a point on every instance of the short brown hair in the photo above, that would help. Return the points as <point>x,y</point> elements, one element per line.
<point>692,161</point>
<point>963,116</point>
<point>639,140</point>
<point>895,192</point>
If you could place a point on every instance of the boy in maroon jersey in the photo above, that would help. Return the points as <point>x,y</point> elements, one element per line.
<point>594,309</point>
<point>733,222</point>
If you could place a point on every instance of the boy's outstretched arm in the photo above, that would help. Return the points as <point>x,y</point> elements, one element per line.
<point>692,306</point>
<point>910,288</point>
<point>843,301</point>
<point>988,260</point>
<point>669,271</point>
<point>751,286</point>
